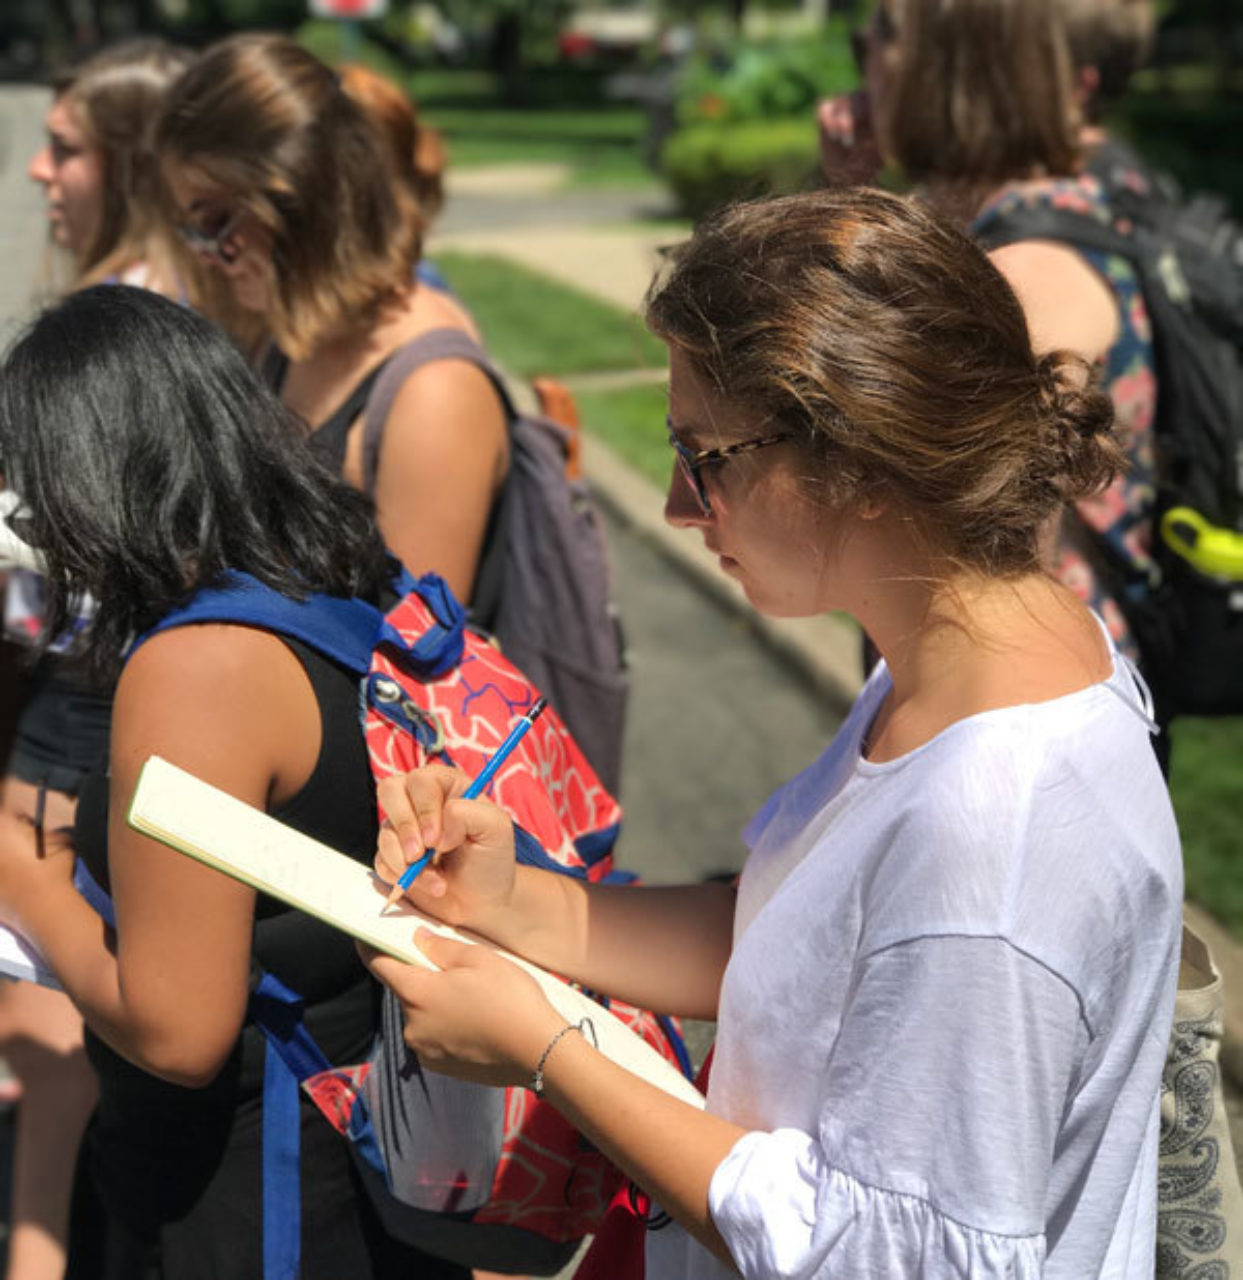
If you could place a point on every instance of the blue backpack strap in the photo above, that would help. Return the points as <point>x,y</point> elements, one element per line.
<point>347,630</point>
<point>291,1057</point>
<point>278,1011</point>
<point>96,898</point>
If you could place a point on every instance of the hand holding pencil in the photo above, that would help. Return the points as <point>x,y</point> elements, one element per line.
<point>400,800</point>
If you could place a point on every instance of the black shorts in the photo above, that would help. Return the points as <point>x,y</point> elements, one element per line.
<point>63,730</point>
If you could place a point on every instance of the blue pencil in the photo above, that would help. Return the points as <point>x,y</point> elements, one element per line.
<point>473,792</point>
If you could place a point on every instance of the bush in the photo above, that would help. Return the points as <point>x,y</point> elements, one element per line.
<point>766,81</point>
<point>707,166</point>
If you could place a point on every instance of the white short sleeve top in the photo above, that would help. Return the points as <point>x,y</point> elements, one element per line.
<point>945,1016</point>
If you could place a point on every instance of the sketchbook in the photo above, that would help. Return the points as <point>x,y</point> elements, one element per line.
<point>190,815</point>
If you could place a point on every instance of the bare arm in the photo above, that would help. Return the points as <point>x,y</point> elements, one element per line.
<point>1067,304</point>
<point>169,991</point>
<point>661,948</point>
<point>442,459</point>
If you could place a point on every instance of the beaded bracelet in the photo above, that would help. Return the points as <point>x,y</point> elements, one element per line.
<point>583,1026</point>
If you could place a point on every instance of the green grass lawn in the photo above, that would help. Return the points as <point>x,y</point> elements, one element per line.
<point>600,149</point>
<point>631,421</point>
<point>1207,786</point>
<point>534,325</point>
<point>563,116</point>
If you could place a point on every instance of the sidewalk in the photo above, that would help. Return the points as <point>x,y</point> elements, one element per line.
<point>616,265</point>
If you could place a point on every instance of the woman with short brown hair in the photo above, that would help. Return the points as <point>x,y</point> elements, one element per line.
<point>974,102</point>
<point>286,185</point>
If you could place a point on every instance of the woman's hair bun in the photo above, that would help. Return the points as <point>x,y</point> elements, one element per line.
<point>1083,451</point>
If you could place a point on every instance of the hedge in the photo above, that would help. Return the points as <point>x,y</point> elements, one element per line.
<point>707,166</point>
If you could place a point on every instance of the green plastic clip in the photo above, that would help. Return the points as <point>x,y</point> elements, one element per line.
<point>1215,552</point>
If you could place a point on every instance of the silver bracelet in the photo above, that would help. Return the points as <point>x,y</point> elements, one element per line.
<point>583,1026</point>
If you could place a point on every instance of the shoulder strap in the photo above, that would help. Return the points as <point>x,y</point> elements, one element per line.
<point>1042,222</point>
<point>346,630</point>
<point>436,344</point>
<point>273,367</point>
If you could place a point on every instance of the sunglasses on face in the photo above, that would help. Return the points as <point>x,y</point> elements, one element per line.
<point>691,462</point>
<point>210,242</point>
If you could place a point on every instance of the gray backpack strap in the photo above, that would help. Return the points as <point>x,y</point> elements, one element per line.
<point>435,344</point>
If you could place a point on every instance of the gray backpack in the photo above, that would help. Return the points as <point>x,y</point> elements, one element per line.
<point>544,587</point>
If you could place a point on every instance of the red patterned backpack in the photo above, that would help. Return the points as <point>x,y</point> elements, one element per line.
<point>490,1178</point>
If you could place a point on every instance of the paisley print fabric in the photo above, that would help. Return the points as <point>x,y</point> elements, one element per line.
<point>1199,1201</point>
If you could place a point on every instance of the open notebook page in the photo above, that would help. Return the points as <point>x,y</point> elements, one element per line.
<point>19,959</point>
<point>190,815</point>
<point>14,553</point>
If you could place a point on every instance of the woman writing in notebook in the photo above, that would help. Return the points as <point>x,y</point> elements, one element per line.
<point>944,982</point>
<point>150,460</point>
<point>306,205</point>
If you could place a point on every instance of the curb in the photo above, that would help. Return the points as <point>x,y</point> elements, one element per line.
<point>825,651</point>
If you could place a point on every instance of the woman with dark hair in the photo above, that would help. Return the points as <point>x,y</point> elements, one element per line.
<point>288,186</point>
<point>149,461</point>
<point>98,170</point>
<point>944,982</point>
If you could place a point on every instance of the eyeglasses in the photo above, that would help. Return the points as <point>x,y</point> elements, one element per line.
<point>692,461</point>
<point>211,244</point>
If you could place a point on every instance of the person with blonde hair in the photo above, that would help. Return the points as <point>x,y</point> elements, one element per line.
<point>99,170</point>
<point>283,182</point>
<point>943,983</point>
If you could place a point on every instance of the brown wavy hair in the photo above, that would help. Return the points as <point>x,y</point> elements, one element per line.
<point>978,92</point>
<point>116,96</point>
<point>271,124</point>
<point>868,326</point>
<point>418,152</point>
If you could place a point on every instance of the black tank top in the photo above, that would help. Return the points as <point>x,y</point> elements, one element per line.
<point>157,1146</point>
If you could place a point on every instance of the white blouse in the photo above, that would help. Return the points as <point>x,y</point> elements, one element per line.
<point>946,1012</point>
